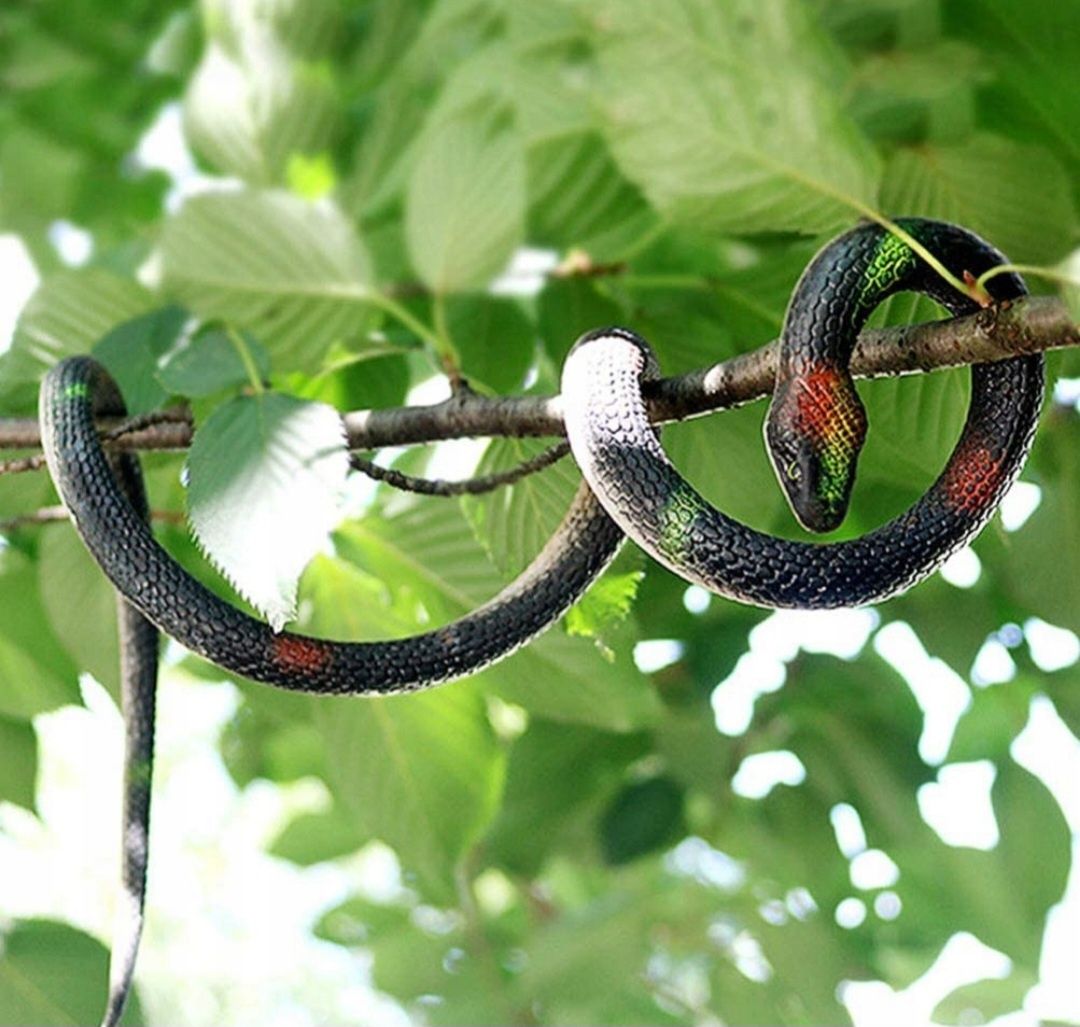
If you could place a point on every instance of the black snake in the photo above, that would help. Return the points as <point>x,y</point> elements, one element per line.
<point>814,430</point>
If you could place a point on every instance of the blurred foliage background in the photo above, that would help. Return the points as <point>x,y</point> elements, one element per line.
<point>357,174</point>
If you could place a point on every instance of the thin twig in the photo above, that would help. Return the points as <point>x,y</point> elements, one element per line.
<point>469,486</point>
<point>26,463</point>
<point>51,514</point>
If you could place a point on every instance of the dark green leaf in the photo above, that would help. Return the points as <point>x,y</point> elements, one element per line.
<point>130,353</point>
<point>207,361</point>
<point>643,817</point>
<point>18,762</point>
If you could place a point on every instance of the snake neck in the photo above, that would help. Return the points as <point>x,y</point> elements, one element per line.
<point>816,424</point>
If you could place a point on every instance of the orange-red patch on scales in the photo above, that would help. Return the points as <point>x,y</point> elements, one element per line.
<point>300,653</point>
<point>972,481</point>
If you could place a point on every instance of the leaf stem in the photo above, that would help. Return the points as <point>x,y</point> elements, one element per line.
<point>444,344</point>
<point>972,289</point>
<point>244,353</point>
<point>1049,273</point>
<point>402,314</point>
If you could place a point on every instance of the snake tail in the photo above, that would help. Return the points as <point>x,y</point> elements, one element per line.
<point>106,498</point>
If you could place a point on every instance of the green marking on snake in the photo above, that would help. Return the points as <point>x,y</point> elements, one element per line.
<point>676,519</point>
<point>891,261</point>
<point>76,390</point>
<point>834,460</point>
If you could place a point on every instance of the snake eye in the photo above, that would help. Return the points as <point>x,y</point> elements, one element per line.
<point>793,472</point>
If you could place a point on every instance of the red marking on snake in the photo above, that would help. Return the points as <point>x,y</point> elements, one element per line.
<point>299,653</point>
<point>972,479</point>
<point>817,403</point>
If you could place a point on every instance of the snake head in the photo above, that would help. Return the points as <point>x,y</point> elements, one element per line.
<point>814,431</point>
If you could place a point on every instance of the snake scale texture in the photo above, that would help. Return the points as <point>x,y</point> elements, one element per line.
<point>814,428</point>
<point>814,431</point>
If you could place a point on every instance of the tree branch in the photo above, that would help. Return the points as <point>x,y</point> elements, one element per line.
<point>1027,326</point>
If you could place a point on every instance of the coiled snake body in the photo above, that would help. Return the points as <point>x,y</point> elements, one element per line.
<point>814,431</point>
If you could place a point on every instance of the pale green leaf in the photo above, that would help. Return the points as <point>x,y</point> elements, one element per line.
<point>578,198</point>
<point>35,673</point>
<point>248,116</point>
<point>465,203</point>
<point>266,474</point>
<point>1070,291</point>
<point>985,1000</point>
<point>1016,196</point>
<point>607,602</point>
<point>292,272</point>
<point>719,113</point>
<point>81,604</point>
<point>69,312</point>
<point>311,838</point>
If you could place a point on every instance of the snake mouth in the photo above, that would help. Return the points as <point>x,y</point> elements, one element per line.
<point>817,516</point>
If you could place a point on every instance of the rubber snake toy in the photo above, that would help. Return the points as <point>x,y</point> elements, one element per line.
<point>814,430</point>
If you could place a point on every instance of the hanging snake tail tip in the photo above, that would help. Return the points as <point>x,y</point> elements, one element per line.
<point>127,930</point>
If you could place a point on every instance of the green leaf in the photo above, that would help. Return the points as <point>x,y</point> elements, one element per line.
<point>35,673</point>
<point>249,113</point>
<point>18,763</point>
<point>421,772</point>
<point>576,680</point>
<point>51,973</point>
<point>292,272</point>
<point>206,361</point>
<point>81,604</point>
<point>311,838</point>
<point>266,477</point>
<point>542,804</point>
<point>493,337</point>
<point>569,307</point>
<point>69,312</point>
<point>465,204</point>
<point>608,600</point>
<point>429,553</point>
<point>366,382</point>
<point>130,353</point>
<point>643,817</point>
<point>1037,72</point>
<point>515,521</point>
<point>1017,196</point>
<point>271,734</point>
<point>721,115</point>
<point>1042,560</point>
<point>579,199</point>
<point>724,456</point>
<point>986,1000</point>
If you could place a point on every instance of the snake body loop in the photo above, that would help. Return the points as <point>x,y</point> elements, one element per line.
<point>107,502</point>
<point>814,430</point>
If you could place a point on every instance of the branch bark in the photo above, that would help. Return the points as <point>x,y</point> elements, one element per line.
<point>1027,326</point>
